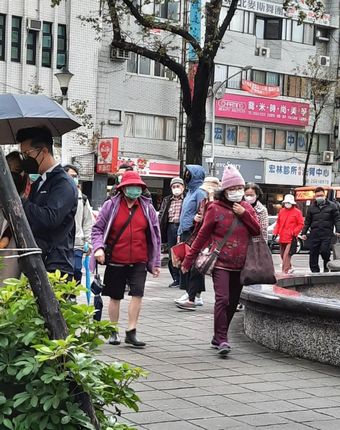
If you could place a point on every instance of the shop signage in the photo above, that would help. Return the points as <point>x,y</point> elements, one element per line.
<point>107,155</point>
<point>264,110</point>
<point>145,167</point>
<point>276,9</point>
<point>251,170</point>
<point>282,173</point>
<point>195,25</point>
<point>260,90</point>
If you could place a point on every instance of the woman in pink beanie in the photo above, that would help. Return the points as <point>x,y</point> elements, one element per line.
<point>226,275</point>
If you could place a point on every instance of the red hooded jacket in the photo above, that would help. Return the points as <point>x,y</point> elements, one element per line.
<point>289,224</point>
<point>217,220</point>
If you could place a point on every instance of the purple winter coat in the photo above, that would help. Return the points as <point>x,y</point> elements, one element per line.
<point>107,215</point>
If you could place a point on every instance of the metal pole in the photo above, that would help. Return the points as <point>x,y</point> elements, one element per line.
<point>212,166</point>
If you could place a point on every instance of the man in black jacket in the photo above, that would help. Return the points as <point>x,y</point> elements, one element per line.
<point>322,216</point>
<point>52,203</point>
<point>169,214</point>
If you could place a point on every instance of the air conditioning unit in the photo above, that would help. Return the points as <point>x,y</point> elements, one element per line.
<point>324,61</point>
<point>327,157</point>
<point>118,54</point>
<point>262,51</point>
<point>34,24</point>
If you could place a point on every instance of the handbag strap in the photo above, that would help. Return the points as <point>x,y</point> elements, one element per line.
<point>127,222</point>
<point>226,236</point>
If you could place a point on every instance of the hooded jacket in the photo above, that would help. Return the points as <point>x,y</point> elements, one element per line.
<point>108,213</point>
<point>193,198</point>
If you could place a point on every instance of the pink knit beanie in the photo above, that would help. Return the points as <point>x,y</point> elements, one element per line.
<point>231,177</point>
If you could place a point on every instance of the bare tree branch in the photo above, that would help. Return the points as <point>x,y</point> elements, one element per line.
<point>150,23</point>
<point>114,19</point>
<point>164,59</point>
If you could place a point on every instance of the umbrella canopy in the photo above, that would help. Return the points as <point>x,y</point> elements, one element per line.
<point>86,265</point>
<point>21,111</point>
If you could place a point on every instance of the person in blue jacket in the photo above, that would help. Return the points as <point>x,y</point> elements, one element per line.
<point>52,202</point>
<point>194,175</point>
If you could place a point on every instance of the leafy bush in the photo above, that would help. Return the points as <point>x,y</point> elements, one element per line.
<point>38,375</point>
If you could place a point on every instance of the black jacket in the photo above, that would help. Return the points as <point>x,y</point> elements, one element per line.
<point>50,212</point>
<point>163,216</point>
<point>321,220</point>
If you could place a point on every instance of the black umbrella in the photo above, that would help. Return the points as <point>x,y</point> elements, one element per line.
<point>97,288</point>
<point>21,111</point>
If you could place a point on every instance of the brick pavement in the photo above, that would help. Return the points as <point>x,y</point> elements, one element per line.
<point>189,387</point>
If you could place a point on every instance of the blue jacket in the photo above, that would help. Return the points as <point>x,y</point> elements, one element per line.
<point>193,198</point>
<point>50,212</point>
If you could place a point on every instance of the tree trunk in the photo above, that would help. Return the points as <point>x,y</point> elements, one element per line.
<point>309,150</point>
<point>195,129</point>
<point>34,269</point>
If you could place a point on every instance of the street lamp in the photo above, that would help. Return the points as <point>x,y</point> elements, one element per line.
<point>64,77</point>
<point>216,95</point>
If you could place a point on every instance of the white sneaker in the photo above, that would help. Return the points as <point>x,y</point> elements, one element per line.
<point>198,301</point>
<point>182,299</point>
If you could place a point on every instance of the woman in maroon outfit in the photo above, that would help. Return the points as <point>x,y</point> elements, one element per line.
<point>226,275</point>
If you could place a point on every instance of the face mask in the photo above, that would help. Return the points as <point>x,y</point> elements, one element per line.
<point>76,181</point>
<point>250,199</point>
<point>133,192</point>
<point>177,192</point>
<point>30,165</point>
<point>288,205</point>
<point>34,176</point>
<point>235,196</point>
<point>320,200</point>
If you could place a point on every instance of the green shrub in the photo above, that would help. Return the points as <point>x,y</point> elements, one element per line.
<point>37,374</point>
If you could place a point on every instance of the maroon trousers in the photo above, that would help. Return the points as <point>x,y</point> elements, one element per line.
<point>227,294</point>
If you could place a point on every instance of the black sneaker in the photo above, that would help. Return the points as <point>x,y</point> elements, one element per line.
<point>174,284</point>
<point>114,339</point>
<point>214,344</point>
<point>131,339</point>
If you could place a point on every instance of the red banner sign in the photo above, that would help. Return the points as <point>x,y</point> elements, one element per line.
<point>156,168</point>
<point>260,89</point>
<point>107,155</point>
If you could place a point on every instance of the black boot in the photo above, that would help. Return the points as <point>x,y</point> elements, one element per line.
<point>131,339</point>
<point>114,339</point>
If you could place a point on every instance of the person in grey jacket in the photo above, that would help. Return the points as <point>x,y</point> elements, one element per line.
<point>84,220</point>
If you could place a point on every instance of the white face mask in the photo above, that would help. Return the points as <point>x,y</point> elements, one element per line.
<point>250,199</point>
<point>288,205</point>
<point>177,192</point>
<point>235,196</point>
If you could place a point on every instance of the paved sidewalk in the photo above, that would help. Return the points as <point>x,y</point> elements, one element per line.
<point>189,387</point>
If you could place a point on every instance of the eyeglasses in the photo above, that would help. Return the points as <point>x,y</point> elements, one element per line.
<point>25,154</point>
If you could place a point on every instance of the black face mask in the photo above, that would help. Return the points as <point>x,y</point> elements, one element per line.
<point>19,182</point>
<point>30,165</point>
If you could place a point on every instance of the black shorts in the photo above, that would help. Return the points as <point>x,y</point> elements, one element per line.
<point>117,277</point>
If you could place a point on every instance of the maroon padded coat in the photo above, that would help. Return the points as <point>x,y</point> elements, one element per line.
<point>217,220</point>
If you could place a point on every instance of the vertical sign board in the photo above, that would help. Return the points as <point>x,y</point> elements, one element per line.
<point>107,155</point>
<point>195,25</point>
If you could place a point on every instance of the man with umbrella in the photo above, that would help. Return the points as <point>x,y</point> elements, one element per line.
<point>52,203</point>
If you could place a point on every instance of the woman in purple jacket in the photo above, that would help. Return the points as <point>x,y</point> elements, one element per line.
<point>128,228</point>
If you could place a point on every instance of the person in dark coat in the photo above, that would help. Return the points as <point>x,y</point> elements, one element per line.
<point>52,202</point>
<point>169,215</point>
<point>322,217</point>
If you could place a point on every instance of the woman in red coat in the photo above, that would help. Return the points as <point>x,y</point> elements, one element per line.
<point>226,275</point>
<point>288,225</point>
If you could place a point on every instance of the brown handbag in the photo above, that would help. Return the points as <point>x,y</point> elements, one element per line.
<point>258,267</point>
<point>206,260</point>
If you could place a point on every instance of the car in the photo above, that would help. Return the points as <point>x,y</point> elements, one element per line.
<point>302,245</point>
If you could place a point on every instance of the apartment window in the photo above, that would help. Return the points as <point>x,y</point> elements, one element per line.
<point>280,139</point>
<point>308,34</point>
<point>16,39</point>
<point>219,134</point>
<point>62,46</point>
<point>150,127</point>
<point>2,36</point>
<point>259,76</point>
<point>243,136</point>
<point>132,63</point>
<point>231,134</point>
<point>272,78</point>
<point>167,9</point>
<point>269,138</point>
<point>235,73</point>
<point>295,86</point>
<point>47,45</point>
<point>315,144</point>
<point>237,21</point>
<point>159,70</point>
<point>255,137</point>
<point>31,47</point>
<point>297,32</point>
<point>291,140</point>
<point>144,66</point>
<point>323,143</point>
<point>268,28</point>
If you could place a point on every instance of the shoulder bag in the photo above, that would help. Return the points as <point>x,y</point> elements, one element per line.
<point>206,259</point>
<point>258,267</point>
<point>110,245</point>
